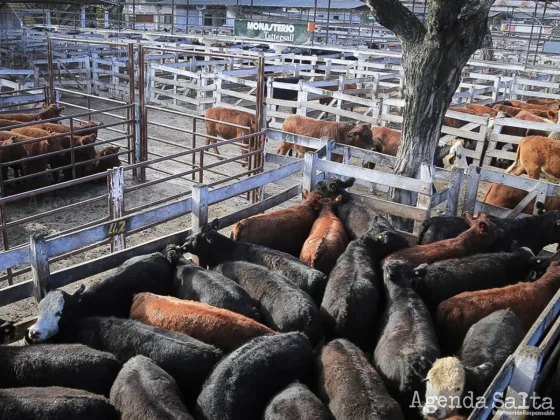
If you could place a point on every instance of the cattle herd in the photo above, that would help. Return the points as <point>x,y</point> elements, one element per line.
<point>34,148</point>
<point>320,311</point>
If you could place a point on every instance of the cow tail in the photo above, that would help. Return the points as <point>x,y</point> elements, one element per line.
<point>516,162</point>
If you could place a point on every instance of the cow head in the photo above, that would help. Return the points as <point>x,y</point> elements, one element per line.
<point>110,150</point>
<point>385,242</point>
<point>484,225</point>
<point>312,198</point>
<point>332,187</point>
<point>55,308</point>
<point>253,124</point>
<point>199,243</point>
<point>444,387</point>
<point>456,157</point>
<point>360,136</point>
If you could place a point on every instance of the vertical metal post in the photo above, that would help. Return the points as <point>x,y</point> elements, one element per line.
<point>130,114</point>
<point>251,9</point>
<point>315,22</point>
<point>532,29</point>
<point>50,70</point>
<point>193,146</point>
<point>5,239</point>
<point>137,145</point>
<point>540,32</point>
<point>328,22</point>
<point>173,16</point>
<point>143,113</point>
<point>72,155</point>
<point>187,22</point>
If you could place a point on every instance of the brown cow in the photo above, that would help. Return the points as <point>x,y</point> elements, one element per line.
<point>526,115</point>
<point>220,327</point>
<point>38,148</point>
<point>386,140</point>
<point>343,133</point>
<point>480,235</point>
<point>482,109</point>
<point>51,111</point>
<point>327,240</point>
<point>10,150</point>
<point>455,123</point>
<point>536,155</point>
<point>508,197</point>
<point>229,132</point>
<point>510,110</point>
<point>543,102</point>
<point>81,154</point>
<point>108,159</point>
<point>62,128</point>
<point>525,105</point>
<point>527,300</point>
<point>8,123</point>
<point>285,230</point>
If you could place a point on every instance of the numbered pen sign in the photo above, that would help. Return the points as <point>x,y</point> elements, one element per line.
<point>118,227</point>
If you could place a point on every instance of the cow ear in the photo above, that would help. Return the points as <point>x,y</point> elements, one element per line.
<point>78,294</point>
<point>349,182</point>
<point>338,199</point>
<point>116,149</point>
<point>421,270</point>
<point>483,226</point>
<point>44,106</point>
<point>468,218</point>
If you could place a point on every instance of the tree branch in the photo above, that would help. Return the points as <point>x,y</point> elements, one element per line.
<point>393,15</point>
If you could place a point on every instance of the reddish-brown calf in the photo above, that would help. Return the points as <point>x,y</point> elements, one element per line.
<point>508,197</point>
<point>480,235</point>
<point>457,314</point>
<point>285,230</point>
<point>482,109</point>
<point>220,327</point>
<point>51,111</point>
<point>327,240</point>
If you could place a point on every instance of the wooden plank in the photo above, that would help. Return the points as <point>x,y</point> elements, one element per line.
<point>14,257</point>
<point>463,133</point>
<point>17,292</point>
<point>395,209</point>
<point>523,203</point>
<point>39,266</point>
<point>526,361</point>
<point>513,122</point>
<point>116,208</point>
<point>199,207</point>
<point>228,191</point>
<point>310,170</point>
<point>305,141</point>
<point>264,205</point>
<point>367,155</point>
<point>99,265</point>
<point>543,322</point>
<point>378,177</point>
<point>473,182</point>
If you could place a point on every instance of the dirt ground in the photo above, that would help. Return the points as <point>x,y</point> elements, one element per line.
<point>175,141</point>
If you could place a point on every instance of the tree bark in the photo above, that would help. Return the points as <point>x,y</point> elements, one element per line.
<point>434,54</point>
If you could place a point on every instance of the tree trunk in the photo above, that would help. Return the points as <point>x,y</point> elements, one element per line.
<point>432,77</point>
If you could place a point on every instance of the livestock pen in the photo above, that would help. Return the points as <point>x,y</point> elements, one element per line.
<point>281,171</point>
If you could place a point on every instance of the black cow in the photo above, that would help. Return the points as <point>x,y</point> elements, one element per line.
<point>213,248</point>
<point>534,232</point>
<point>486,347</point>
<point>407,344</point>
<point>441,280</point>
<point>143,390</point>
<point>357,217</point>
<point>110,297</point>
<point>352,301</point>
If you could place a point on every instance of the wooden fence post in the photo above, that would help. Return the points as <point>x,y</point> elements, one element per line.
<point>199,206</point>
<point>339,101</point>
<point>309,170</point>
<point>454,191</point>
<point>218,92</point>
<point>269,93</point>
<point>345,160</point>
<point>87,69</point>
<point>116,204</point>
<point>301,98</point>
<point>471,190</point>
<point>496,89</point>
<point>38,257</point>
<point>424,200</point>
<point>496,130</point>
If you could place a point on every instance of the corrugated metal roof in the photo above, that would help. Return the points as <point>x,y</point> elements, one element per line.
<point>301,4</point>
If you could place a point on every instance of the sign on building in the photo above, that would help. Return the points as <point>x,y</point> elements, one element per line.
<point>297,33</point>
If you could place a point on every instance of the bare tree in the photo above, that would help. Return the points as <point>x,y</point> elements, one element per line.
<point>434,53</point>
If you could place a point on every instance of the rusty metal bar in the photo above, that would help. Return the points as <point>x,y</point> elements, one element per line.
<point>143,113</point>
<point>50,65</point>
<point>5,240</point>
<point>72,155</point>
